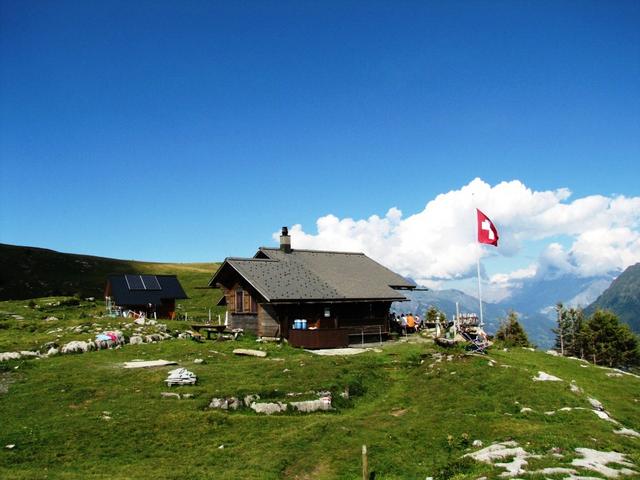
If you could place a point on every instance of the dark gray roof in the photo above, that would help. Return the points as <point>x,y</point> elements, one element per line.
<point>124,294</point>
<point>316,275</point>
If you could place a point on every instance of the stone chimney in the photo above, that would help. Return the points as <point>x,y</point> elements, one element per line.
<point>285,240</point>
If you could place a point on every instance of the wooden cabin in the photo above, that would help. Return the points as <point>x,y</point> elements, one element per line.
<point>339,295</point>
<point>151,294</point>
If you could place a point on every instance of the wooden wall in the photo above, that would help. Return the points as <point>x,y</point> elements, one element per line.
<point>268,325</point>
<point>248,323</point>
<point>276,320</point>
<point>245,320</point>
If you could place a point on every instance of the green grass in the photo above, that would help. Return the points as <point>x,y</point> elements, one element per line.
<point>33,330</point>
<point>416,415</point>
<point>53,413</point>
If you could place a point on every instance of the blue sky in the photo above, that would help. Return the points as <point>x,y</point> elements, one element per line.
<point>191,131</point>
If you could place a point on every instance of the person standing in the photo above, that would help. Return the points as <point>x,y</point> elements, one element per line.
<point>411,323</point>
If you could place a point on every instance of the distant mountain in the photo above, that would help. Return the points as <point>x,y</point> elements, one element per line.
<point>536,298</point>
<point>534,301</point>
<point>30,272</point>
<point>538,294</point>
<point>622,297</point>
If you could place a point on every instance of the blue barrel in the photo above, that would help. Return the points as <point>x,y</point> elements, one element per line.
<point>303,324</point>
<point>297,324</point>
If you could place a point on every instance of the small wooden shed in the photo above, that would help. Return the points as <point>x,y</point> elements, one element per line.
<point>145,293</point>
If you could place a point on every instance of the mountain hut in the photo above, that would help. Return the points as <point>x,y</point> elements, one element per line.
<point>315,299</point>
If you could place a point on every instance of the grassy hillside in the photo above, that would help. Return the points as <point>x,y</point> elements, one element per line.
<point>29,272</point>
<point>416,407</point>
<point>622,298</point>
<point>417,420</point>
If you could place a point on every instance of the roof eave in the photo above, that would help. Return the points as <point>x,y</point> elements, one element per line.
<point>337,300</point>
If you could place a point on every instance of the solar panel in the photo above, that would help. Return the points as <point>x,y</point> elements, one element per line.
<point>151,282</point>
<point>134,282</point>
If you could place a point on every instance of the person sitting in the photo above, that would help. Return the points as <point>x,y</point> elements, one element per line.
<point>418,322</point>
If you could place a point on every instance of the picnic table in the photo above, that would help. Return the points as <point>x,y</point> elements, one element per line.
<point>217,329</point>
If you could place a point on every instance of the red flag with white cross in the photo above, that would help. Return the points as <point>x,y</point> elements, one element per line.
<point>487,231</point>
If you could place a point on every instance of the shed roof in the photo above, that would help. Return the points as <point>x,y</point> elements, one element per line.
<point>126,292</point>
<point>315,275</point>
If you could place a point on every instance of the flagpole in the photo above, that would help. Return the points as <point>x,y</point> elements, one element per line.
<point>479,285</point>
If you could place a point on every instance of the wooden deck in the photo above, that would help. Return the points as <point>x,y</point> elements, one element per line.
<point>335,337</point>
<point>320,338</point>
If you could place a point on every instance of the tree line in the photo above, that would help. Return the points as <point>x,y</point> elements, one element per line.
<point>601,339</point>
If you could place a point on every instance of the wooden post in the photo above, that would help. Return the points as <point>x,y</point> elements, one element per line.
<point>365,463</point>
<point>560,328</point>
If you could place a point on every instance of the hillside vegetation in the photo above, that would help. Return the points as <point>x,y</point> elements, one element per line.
<point>29,272</point>
<point>622,298</point>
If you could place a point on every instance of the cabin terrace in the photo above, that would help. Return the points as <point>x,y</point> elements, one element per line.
<point>315,299</point>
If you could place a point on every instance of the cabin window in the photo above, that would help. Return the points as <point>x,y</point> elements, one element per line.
<point>239,301</point>
<point>254,306</point>
<point>247,303</point>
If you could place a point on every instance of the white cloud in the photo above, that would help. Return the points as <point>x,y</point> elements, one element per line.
<point>500,284</point>
<point>438,243</point>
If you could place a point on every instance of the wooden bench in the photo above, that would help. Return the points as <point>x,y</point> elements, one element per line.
<point>217,329</point>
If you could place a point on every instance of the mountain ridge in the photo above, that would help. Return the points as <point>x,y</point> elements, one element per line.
<point>31,272</point>
<point>622,297</point>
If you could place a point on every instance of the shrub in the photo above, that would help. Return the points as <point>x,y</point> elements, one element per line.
<point>458,467</point>
<point>70,302</point>
<point>511,332</point>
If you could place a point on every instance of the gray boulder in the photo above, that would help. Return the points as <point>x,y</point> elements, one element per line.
<point>26,353</point>
<point>170,395</point>
<point>231,403</point>
<point>269,408</point>
<point>6,356</point>
<point>322,404</point>
<point>75,346</point>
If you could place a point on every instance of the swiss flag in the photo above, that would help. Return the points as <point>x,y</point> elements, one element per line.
<point>487,231</point>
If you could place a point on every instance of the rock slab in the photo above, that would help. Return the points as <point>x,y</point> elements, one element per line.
<point>252,353</point>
